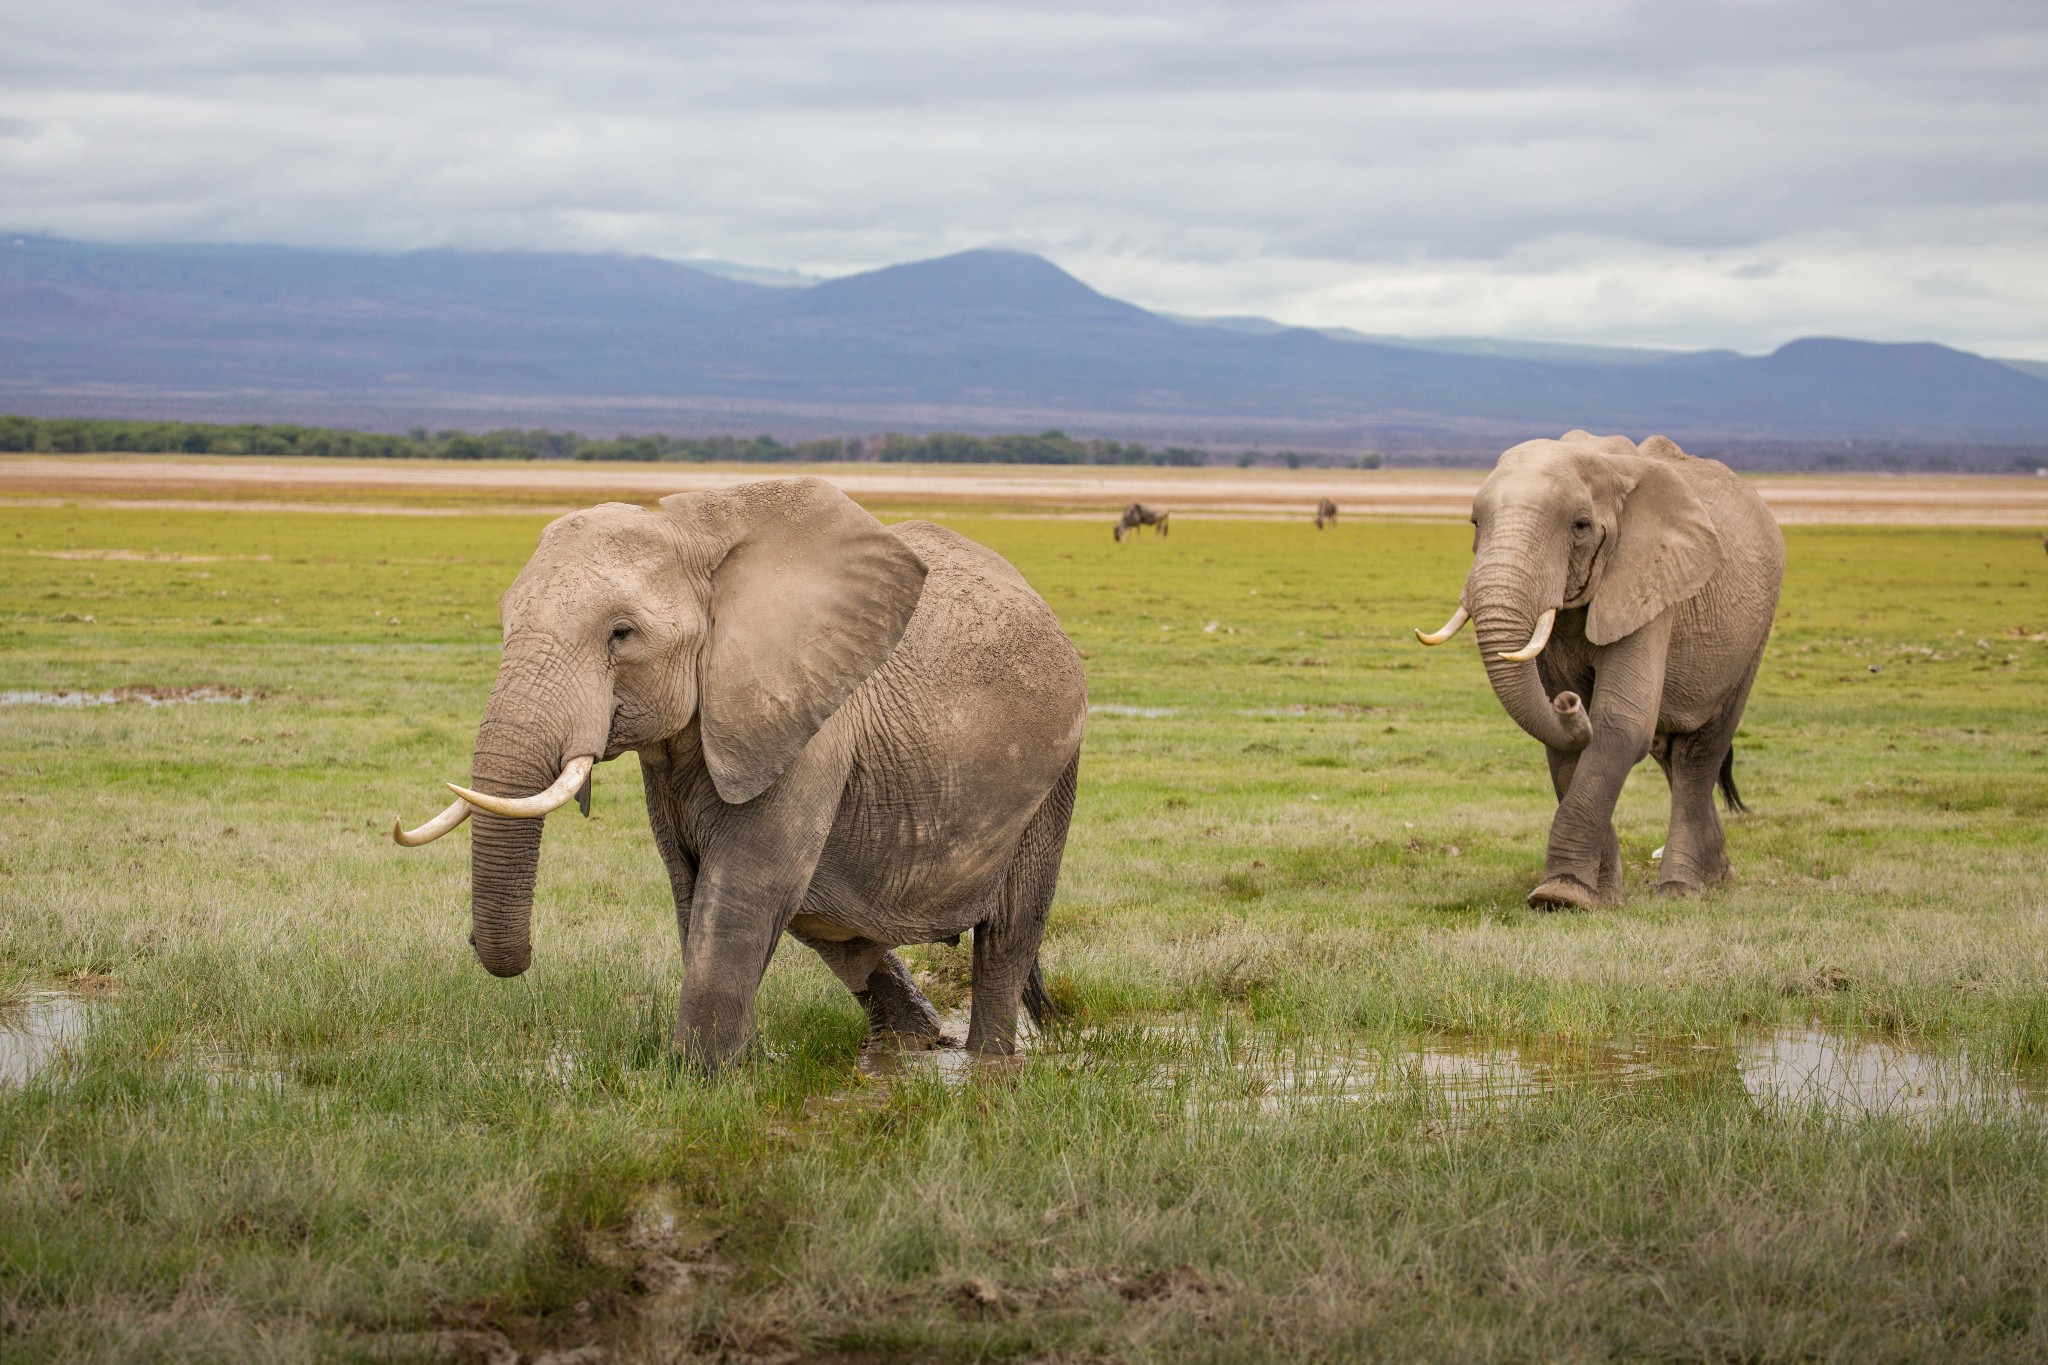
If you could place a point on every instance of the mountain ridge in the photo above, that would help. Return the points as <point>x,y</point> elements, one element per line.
<point>982,339</point>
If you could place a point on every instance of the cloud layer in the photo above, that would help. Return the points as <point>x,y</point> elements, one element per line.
<point>1735,174</point>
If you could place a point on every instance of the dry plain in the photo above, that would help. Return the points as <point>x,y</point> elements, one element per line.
<point>202,482</point>
<point>1326,1087</point>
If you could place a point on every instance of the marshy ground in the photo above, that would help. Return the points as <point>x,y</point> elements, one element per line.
<point>1326,1089</point>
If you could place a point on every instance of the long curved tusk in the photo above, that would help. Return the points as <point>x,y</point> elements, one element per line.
<point>1536,641</point>
<point>433,829</point>
<point>530,807</point>
<point>1451,627</point>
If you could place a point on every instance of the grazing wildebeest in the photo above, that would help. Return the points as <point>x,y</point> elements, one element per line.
<point>1326,513</point>
<point>1138,514</point>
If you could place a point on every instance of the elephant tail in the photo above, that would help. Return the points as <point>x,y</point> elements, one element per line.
<point>1043,1012</point>
<point>1729,795</point>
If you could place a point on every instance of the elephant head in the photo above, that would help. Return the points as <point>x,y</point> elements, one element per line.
<point>1582,521</point>
<point>754,611</point>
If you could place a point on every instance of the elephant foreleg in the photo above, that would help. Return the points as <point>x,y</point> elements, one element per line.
<point>1562,765</point>
<point>1582,862</point>
<point>753,870</point>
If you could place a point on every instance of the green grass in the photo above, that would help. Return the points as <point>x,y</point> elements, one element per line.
<point>305,1124</point>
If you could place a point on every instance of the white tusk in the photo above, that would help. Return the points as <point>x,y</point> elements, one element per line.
<point>531,807</point>
<point>1451,627</point>
<point>1536,641</point>
<point>433,829</point>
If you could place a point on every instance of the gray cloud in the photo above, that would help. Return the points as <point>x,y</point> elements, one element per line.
<point>1731,174</point>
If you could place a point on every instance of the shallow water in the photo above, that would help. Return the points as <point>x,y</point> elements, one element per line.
<point>1795,1068</point>
<point>1858,1077</point>
<point>120,696</point>
<point>1788,1068</point>
<point>1145,712</point>
<point>36,1031</point>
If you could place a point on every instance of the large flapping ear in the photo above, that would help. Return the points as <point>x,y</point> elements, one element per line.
<point>808,599</point>
<point>1665,550</point>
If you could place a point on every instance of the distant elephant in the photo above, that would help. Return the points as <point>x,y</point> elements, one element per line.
<point>1326,512</point>
<point>864,736</point>
<point>1138,514</point>
<point>1643,581</point>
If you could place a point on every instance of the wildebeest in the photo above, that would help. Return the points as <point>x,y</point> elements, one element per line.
<point>1326,512</point>
<point>1138,514</point>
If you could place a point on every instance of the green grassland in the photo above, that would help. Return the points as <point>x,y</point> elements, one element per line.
<point>304,1123</point>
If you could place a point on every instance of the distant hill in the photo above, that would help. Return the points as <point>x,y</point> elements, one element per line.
<point>984,340</point>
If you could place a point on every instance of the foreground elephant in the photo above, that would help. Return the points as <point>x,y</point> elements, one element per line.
<point>1623,596</point>
<point>865,736</point>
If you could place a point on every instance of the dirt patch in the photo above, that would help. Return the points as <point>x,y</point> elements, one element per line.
<point>135,694</point>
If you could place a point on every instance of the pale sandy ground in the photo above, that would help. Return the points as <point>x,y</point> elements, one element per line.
<point>248,484</point>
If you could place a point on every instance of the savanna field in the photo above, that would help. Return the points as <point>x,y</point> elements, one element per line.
<point>1325,1088</point>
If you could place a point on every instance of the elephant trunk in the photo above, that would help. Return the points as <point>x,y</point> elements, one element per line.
<point>1505,611</point>
<point>537,719</point>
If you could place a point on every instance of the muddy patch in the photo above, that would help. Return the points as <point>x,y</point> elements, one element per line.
<point>37,1031</point>
<point>139,694</point>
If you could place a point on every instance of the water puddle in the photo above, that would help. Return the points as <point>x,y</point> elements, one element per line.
<point>1856,1078</point>
<point>36,1031</point>
<point>1799,1068</point>
<point>945,1059</point>
<point>141,695</point>
<point>1143,712</point>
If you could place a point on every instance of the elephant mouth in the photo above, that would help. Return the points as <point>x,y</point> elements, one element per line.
<point>622,734</point>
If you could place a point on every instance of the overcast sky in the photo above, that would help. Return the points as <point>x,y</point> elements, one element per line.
<point>1678,173</point>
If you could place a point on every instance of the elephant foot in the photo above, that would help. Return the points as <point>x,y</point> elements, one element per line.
<point>1675,890</point>
<point>893,1040</point>
<point>1564,892</point>
<point>894,1013</point>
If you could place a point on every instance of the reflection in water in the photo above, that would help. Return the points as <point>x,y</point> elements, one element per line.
<point>944,1058</point>
<point>1803,1068</point>
<point>35,1031</point>
<point>1791,1067</point>
<point>1854,1077</point>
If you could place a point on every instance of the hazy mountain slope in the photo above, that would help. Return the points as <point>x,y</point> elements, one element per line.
<point>991,331</point>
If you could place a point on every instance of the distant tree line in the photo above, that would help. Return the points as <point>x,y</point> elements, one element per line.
<point>83,435</point>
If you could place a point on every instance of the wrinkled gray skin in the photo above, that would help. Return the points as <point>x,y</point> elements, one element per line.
<point>1667,571</point>
<point>863,736</point>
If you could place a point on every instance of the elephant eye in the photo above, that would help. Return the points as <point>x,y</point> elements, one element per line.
<point>1583,524</point>
<point>621,631</point>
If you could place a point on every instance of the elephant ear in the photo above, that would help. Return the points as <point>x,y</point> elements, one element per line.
<point>808,599</point>
<point>1665,550</point>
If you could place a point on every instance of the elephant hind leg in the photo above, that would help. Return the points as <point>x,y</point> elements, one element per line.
<point>895,1004</point>
<point>1696,850</point>
<point>880,981</point>
<point>1006,970</point>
